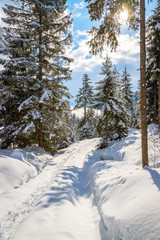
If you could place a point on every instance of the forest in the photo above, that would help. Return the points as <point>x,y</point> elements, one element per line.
<point>35,103</point>
<point>88,170</point>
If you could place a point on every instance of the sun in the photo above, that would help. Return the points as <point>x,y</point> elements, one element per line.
<point>123,16</point>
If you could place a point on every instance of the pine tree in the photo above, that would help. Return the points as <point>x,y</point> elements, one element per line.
<point>73,124</point>
<point>127,93</point>
<point>118,85</point>
<point>45,28</point>
<point>18,73</point>
<point>112,108</point>
<point>108,12</point>
<point>84,98</point>
<point>107,33</point>
<point>153,64</point>
<point>152,99</point>
<point>136,119</point>
<point>87,127</point>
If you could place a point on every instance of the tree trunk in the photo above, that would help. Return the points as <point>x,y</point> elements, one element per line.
<point>40,137</point>
<point>143,85</point>
<point>105,140</point>
<point>24,142</point>
<point>159,100</point>
<point>85,113</point>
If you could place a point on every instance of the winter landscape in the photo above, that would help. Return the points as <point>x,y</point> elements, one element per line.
<point>79,125</point>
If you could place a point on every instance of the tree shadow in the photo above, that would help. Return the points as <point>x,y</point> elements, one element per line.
<point>70,185</point>
<point>155,176</point>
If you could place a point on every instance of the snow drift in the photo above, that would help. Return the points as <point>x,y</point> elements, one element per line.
<point>82,193</point>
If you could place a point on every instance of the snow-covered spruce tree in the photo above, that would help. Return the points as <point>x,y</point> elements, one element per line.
<point>107,34</point>
<point>51,25</point>
<point>153,65</point>
<point>109,28</point>
<point>152,98</point>
<point>118,85</point>
<point>84,98</point>
<point>47,26</point>
<point>18,74</point>
<point>113,113</point>
<point>136,119</point>
<point>73,124</point>
<point>87,126</point>
<point>127,93</point>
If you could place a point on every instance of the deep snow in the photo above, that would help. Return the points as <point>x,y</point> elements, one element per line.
<point>81,193</point>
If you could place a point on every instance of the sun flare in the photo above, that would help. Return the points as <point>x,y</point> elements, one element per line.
<point>123,16</point>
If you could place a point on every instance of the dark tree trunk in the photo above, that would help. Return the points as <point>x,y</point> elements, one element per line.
<point>85,113</point>
<point>106,128</point>
<point>40,137</point>
<point>143,86</point>
<point>105,140</point>
<point>24,142</point>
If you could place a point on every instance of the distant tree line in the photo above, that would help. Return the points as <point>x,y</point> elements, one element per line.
<point>34,100</point>
<point>114,99</point>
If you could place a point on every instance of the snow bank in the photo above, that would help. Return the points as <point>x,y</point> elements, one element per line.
<point>82,193</point>
<point>127,196</point>
<point>14,173</point>
<point>19,166</point>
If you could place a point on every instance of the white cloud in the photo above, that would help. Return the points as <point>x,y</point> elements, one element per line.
<point>81,33</point>
<point>83,62</point>
<point>76,14</point>
<point>79,6</point>
<point>127,52</point>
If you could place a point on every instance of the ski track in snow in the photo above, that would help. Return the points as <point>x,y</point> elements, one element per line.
<point>83,203</point>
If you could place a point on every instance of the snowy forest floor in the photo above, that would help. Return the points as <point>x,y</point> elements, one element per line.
<point>81,193</point>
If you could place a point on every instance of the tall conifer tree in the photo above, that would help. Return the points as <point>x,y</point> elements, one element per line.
<point>113,113</point>
<point>18,74</point>
<point>127,93</point>
<point>43,28</point>
<point>153,64</point>
<point>84,98</point>
<point>107,33</point>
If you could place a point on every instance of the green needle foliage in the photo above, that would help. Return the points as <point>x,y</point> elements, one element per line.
<point>108,11</point>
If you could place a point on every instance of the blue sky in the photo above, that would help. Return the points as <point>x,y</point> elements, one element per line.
<point>127,53</point>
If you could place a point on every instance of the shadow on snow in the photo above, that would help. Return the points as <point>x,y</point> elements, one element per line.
<point>71,184</point>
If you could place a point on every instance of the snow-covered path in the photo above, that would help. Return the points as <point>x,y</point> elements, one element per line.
<point>77,196</point>
<point>57,202</point>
